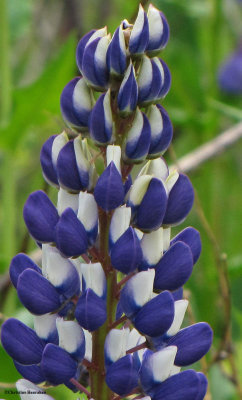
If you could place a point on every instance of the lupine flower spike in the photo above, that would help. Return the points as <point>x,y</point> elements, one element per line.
<point>107,299</point>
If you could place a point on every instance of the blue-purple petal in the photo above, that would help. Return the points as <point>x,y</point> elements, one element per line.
<point>48,168</point>
<point>122,376</point>
<point>32,373</point>
<point>174,268</point>
<point>109,190</point>
<point>126,253</point>
<point>36,293</point>
<point>40,217</point>
<point>203,386</point>
<point>192,342</point>
<point>156,316</point>
<point>137,149</point>
<point>20,263</point>
<point>91,311</point>
<point>180,201</point>
<point>192,238</point>
<point>71,237</point>
<point>81,47</point>
<point>57,365</point>
<point>97,75</point>
<point>21,342</point>
<point>100,125</point>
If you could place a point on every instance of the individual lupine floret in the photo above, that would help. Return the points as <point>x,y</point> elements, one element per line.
<point>128,92</point>
<point>71,338</point>
<point>48,157</point>
<point>158,30</point>
<point>154,80</point>
<point>122,376</point>
<point>86,39</point>
<point>101,121</point>
<point>148,200</point>
<point>115,345</point>
<point>152,248</point>
<point>77,176</point>
<point>137,141</point>
<point>140,34</point>
<point>109,190</point>
<point>94,62</point>
<point>161,130</point>
<point>88,215</point>
<point>76,104</point>
<point>150,314</point>
<point>117,53</point>
<point>119,224</point>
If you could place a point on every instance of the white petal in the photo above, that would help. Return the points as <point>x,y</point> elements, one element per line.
<point>88,342</point>
<point>137,126</point>
<point>134,338</point>
<point>57,145</point>
<point>120,222</point>
<point>180,309</point>
<point>115,343</point>
<point>45,324</point>
<point>101,50</point>
<point>82,98</point>
<point>94,277</point>
<point>99,33</point>
<point>141,286</point>
<point>175,370</point>
<point>71,335</point>
<point>166,238</point>
<point>65,200</point>
<point>162,362</point>
<point>145,73</point>
<point>155,23</point>
<point>107,110</point>
<point>81,161</point>
<point>171,180</point>
<point>152,246</point>
<point>139,189</point>
<point>139,233</point>
<point>87,210</point>
<point>138,25</point>
<point>114,154</point>
<point>24,386</point>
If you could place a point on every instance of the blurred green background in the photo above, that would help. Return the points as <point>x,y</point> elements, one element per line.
<point>37,58</point>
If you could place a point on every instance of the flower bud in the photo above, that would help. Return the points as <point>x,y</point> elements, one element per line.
<point>109,190</point>
<point>91,311</point>
<point>101,120</point>
<point>88,215</point>
<point>156,367</point>
<point>116,54</point>
<point>140,34</point>
<point>158,30</point>
<point>48,157</point>
<point>153,80</point>
<point>174,268</point>
<point>71,338</point>
<point>126,253</point>
<point>137,141</point>
<point>87,39</point>
<point>157,168</point>
<point>73,167</point>
<point>94,63</point>
<point>161,130</point>
<point>40,217</point>
<point>128,92</point>
<point>76,104</point>
<point>21,342</point>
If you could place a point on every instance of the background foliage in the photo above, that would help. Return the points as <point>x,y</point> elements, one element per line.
<point>38,40</point>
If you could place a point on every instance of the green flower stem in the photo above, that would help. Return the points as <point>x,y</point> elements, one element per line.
<point>99,389</point>
<point>5,71</point>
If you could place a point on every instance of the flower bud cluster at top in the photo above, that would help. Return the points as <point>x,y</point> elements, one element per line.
<point>108,300</point>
